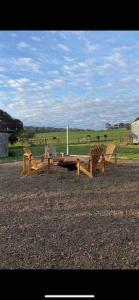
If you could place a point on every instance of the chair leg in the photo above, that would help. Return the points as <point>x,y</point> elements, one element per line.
<point>24,164</point>
<point>90,167</point>
<point>115,159</point>
<point>78,167</point>
<point>103,165</point>
<point>48,164</point>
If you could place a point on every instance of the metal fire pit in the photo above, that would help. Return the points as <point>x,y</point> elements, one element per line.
<point>70,165</point>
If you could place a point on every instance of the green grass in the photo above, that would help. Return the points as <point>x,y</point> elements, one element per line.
<point>16,153</point>
<point>114,136</point>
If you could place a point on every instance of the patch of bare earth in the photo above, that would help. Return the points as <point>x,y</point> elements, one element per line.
<point>60,221</point>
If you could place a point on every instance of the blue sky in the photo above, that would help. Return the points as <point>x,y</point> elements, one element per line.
<point>81,78</point>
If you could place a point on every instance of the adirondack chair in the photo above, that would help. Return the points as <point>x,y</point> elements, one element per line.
<point>110,151</point>
<point>93,163</point>
<point>32,166</point>
<point>50,151</point>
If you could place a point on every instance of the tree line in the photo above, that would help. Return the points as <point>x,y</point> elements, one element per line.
<point>119,125</point>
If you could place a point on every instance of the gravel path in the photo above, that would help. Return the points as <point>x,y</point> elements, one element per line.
<point>60,221</point>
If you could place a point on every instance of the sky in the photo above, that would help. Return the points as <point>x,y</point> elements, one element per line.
<point>83,79</point>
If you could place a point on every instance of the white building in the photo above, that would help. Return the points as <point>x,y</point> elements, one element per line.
<point>135,131</point>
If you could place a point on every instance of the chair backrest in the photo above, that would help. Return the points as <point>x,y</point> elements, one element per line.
<point>27,152</point>
<point>109,151</point>
<point>50,150</point>
<point>95,155</point>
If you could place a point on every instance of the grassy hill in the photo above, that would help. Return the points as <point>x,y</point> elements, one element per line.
<point>114,134</point>
<point>75,147</point>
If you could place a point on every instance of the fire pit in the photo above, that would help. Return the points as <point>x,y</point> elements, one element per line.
<point>70,165</point>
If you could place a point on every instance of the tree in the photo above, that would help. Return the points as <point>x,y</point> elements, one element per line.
<point>108,126</point>
<point>9,123</point>
<point>121,125</point>
<point>27,134</point>
<point>128,126</point>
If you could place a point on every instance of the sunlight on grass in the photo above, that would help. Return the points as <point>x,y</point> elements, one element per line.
<point>114,136</point>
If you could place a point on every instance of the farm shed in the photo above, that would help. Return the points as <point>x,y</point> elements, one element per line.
<point>135,131</point>
<point>4,144</point>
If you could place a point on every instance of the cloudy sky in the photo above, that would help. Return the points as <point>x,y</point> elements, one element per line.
<point>81,78</point>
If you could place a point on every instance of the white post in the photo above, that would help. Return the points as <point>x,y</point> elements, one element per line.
<point>67,141</point>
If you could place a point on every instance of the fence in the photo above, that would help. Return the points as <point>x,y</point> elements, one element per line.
<point>62,141</point>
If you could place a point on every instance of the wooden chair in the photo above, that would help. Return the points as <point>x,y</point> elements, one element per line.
<point>93,163</point>
<point>50,151</point>
<point>32,166</point>
<point>110,151</point>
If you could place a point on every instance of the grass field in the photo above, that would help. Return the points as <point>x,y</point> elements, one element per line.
<point>114,136</point>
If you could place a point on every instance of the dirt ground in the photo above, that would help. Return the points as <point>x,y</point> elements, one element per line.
<point>62,221</point>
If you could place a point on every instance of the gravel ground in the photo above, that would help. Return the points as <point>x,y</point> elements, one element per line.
<point>60,221</point>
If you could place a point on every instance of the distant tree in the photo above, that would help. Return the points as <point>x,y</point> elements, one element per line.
<point>13,138</point>
<point>116,126</point>
<point>27,134</point>
<point>7,123</point>
<point>128,126</point>
<point>108,126</point>
<point>121,125</point>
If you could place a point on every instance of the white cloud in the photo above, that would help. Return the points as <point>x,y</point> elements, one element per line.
<point>97,100</point>
<point>69,59</point>
<point>54,84</point>
<point>63,35</point>
<point>55,61</point>
<point>82,64</point>
<point>23,45</point>
<point>53,72</point>
<point>36,38</point>
<point>101,69</point>
<point>90,46</point>
<point>117,59</point>
<point>63,47</point>
<point>27,63</point>
<point>126,79</point>
<point>19,84</point>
